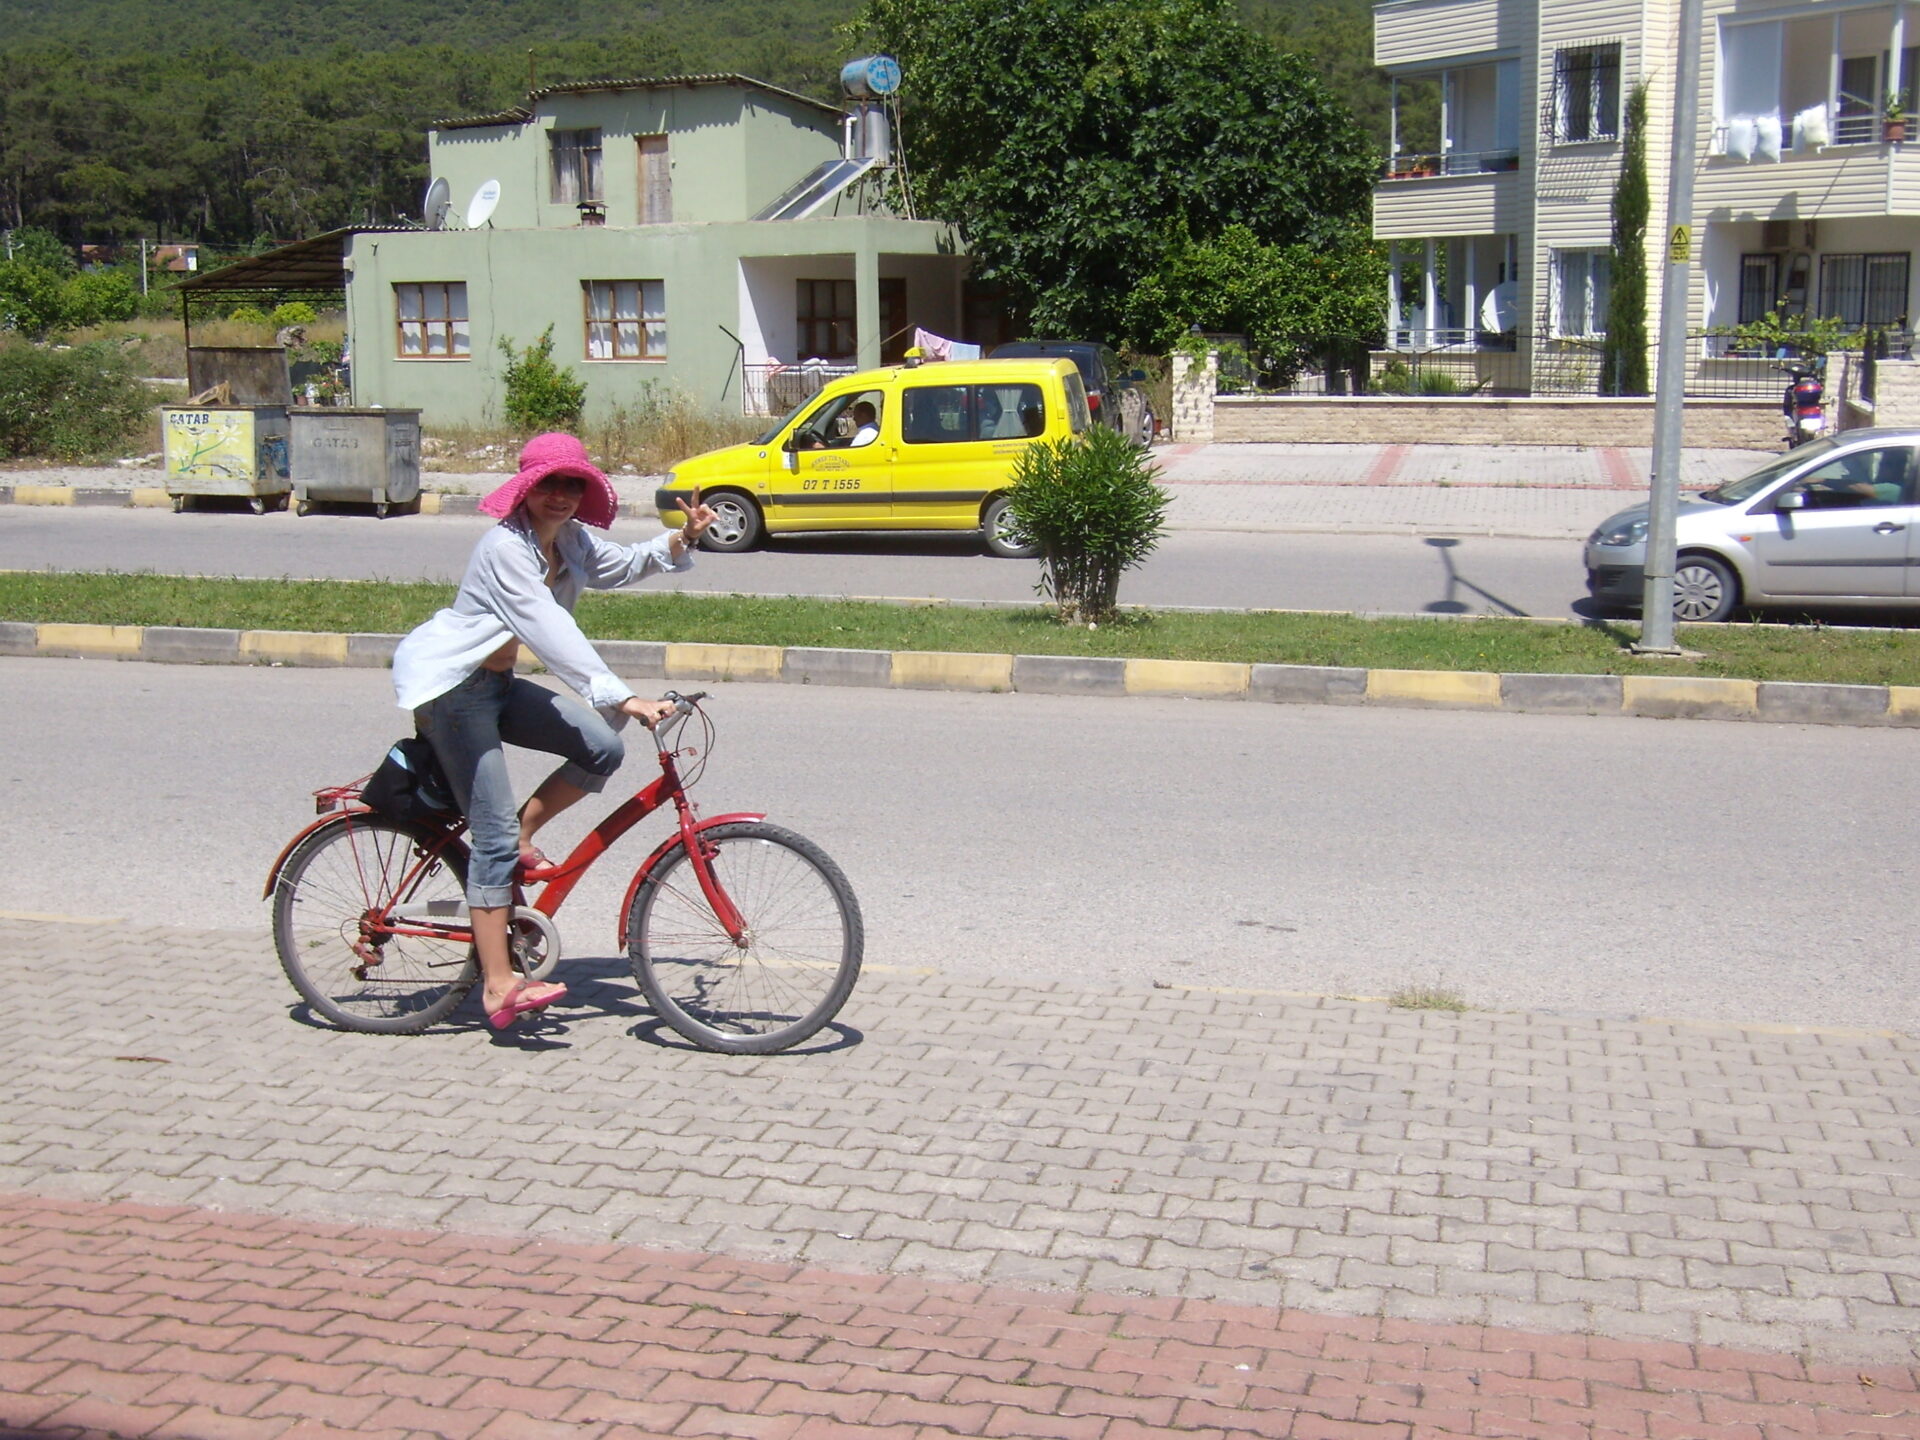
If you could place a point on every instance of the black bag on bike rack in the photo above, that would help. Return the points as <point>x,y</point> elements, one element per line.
<point>409,784</point>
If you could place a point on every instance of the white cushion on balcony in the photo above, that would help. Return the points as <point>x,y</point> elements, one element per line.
<point>1766,137</point>
<point>1810,128</point>
<point>1740,137</point>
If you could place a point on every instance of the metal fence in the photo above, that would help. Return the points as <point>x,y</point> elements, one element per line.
<point>772,388</point>
<point>1435,362</point>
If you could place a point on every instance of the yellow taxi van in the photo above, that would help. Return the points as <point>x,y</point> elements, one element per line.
<point>907,447</point>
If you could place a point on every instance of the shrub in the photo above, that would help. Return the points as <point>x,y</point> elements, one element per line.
<point>67,404</point>
<point>293,312</point>
<point>249,315</point>
<point>30,297</point>
<point>540,394</point>
<point>94,297</point>
<point>1092,507</point>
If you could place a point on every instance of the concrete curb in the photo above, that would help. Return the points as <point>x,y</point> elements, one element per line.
<point>1655,696</point>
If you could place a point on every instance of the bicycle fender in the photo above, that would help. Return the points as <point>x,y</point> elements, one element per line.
<point>659,853</point>
<point>280,861</point>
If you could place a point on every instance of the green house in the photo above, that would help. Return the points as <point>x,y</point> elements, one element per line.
<point>633,217</point>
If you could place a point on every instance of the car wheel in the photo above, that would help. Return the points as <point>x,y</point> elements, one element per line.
<point>1704,589</point>
<point>736,523</point>
<point>1147,427</point>
<point>996,529</point>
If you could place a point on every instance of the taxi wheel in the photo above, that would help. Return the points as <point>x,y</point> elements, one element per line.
<point>736,523</point>
<point>1704,589</point>
<point>996,526</point>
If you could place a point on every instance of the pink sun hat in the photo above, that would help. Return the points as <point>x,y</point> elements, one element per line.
<point>557,453</point>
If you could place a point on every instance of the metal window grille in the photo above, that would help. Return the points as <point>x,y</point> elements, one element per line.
<point>1580,292</point>
<point>1586,93</point>
<point>1865,289</point>
<point>1759,286</point>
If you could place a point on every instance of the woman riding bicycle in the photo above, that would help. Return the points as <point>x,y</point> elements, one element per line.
<point>455,673</point>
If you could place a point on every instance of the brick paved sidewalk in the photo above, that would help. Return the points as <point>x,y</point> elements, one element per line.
<point>135,1321</point>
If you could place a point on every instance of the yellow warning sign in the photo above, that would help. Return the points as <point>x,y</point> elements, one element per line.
<point>1680,245</point>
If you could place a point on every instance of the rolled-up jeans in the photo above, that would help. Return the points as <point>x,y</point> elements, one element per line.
<point>466,727</point>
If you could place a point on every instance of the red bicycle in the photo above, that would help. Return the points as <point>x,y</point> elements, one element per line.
<point>744,937</point>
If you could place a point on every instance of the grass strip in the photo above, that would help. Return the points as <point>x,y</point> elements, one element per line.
<point>1770,652</point>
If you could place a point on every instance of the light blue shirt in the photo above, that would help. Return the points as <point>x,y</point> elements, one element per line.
<point>505,596</point>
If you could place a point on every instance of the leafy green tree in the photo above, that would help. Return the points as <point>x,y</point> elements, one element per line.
<point>1623,356</point>
<point>540,394</point>
<point>31,245</point>
<point>96,296</point>
<point>1292,302</point>
<point>1080,144</point>
<point>30,298</point>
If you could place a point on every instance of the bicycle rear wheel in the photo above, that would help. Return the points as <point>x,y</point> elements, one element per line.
<point>795,965</point>
<point>341,874</point>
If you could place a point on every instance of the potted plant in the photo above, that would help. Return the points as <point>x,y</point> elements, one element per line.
<point>1893,120</point>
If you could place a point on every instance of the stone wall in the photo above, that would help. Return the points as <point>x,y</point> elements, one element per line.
<point>1896,393</point>
<point>1477,420</point>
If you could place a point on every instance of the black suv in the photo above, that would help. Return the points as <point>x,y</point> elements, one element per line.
<point>1115,396</point>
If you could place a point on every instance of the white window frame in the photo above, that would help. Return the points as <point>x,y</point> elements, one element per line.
<point>1586,272</point>
<point>625,319</point>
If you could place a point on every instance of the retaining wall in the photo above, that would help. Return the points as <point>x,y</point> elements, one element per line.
<point>1478,420</point>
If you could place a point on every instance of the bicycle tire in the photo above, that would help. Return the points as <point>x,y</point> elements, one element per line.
<point>332,878</point>
<point>801,959</point>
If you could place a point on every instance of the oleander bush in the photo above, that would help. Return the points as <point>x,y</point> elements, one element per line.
<point>1092,506</point>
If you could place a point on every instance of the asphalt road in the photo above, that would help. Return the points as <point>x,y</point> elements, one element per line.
<point>1387,574</point>
<point>1710,871</point>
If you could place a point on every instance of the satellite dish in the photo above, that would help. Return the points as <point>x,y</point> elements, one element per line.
<point>480,208</point>
<point>1497,310</point>
<point>870,77</point>
<point>439,200</point>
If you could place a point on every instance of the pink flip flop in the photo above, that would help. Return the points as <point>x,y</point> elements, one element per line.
<point>521,1003</point>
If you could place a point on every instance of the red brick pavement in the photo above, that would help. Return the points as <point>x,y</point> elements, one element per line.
<point>136,1320</point>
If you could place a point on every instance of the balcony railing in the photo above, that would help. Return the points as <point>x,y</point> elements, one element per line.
<point>773,388</point>
<point>1453,162</point>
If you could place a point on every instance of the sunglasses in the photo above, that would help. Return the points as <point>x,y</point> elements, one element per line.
<point>563,485</point>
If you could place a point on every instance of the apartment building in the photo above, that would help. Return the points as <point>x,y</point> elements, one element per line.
<point>1508,127</point>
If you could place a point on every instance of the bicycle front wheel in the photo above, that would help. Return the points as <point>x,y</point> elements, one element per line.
<point>339,953</point>
<point>794,964</point>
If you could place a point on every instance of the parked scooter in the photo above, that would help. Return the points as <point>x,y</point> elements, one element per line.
<point>1804,403</point>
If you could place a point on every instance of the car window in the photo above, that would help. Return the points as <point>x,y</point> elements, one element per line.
<point>936,414</point>
<point>944,414</point>
<point>1079,417</point>
<point>1860,479</point>
<point>1751,484</point>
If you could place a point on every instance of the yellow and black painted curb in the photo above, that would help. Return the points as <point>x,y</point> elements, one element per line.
<point>1660,696</point>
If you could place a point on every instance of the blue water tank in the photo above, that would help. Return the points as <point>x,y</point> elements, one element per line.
<point>870,76</point>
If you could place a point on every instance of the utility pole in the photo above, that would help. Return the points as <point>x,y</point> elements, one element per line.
<point>1670,379</point>
<point>143,264</point>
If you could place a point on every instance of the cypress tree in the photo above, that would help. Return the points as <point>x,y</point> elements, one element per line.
<point>1623,359</point>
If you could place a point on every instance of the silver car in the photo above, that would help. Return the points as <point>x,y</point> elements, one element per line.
<point>1832,523</point>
